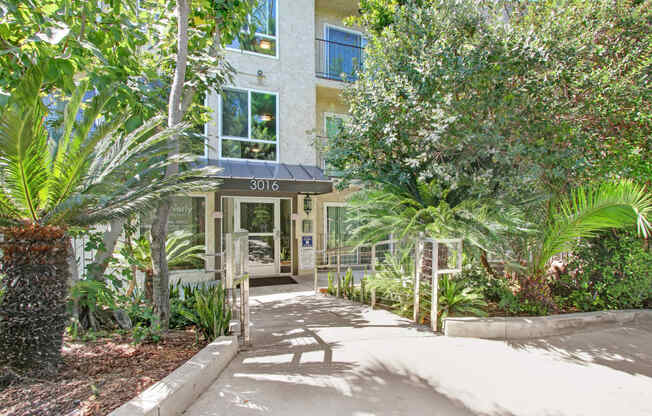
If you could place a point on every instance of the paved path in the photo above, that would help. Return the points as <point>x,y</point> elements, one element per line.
<point>324,356</point>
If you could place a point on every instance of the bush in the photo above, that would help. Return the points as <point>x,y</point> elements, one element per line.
<point>211,313</point>
<point>612,271</point>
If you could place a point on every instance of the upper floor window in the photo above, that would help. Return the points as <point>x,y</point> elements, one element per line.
<point>341,53</point>
<point>259,34</point>
<point>249,125</point>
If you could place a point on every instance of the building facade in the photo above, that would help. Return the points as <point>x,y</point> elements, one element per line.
<point>293,61</point>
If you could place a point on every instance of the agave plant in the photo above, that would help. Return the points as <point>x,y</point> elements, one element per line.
<point>87,173</point>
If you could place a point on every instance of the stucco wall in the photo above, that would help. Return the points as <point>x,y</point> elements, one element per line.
<point>290,74</point>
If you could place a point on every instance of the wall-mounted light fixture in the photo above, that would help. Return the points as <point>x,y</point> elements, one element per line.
<point>266,117</point>
<point>265,44</point>
<point>307,205</point>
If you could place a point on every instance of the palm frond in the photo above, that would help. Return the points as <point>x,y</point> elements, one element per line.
<point>591,209</point>
<point>23,149</point>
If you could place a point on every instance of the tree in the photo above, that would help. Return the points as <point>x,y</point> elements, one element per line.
<point>104,42</point>
<point>219,21</point>
<point>87,173</point>
<point>496,102</point>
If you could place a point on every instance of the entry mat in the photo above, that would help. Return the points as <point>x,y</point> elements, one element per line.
<point>271,281</point>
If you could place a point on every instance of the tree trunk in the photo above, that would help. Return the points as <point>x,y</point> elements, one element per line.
<point>485,263</point>
<point>103,256</point>
<point>33,308</point>
<point>159,231</point>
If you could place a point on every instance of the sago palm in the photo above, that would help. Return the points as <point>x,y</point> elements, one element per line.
<point>85,174</point>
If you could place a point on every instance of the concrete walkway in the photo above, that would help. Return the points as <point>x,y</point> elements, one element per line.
<point>324,356</point>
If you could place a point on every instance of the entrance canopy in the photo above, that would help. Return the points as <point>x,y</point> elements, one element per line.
<point>272,177</point>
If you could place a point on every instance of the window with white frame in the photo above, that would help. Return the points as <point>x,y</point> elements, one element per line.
<point>259,33</point>
<point>344,53</point>
<point>187,227</point>
<point>249,125</point>
<point>340,222</point>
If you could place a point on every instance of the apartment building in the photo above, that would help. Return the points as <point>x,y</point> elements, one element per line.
<point>291,66</point>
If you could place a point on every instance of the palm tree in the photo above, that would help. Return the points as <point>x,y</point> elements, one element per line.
<point>583,213</point>
<point>86,173</point>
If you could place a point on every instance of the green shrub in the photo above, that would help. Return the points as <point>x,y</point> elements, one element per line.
<point>331,284</point>
<point>348,289</point>
<point>612,271</point>
<point>182,297</point>
<point>211,313</point>
<point>457,298</point>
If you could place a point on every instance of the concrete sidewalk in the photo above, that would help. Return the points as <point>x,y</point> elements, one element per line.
<point>325,356</point>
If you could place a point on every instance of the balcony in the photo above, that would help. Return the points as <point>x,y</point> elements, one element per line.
<point>339,61</point>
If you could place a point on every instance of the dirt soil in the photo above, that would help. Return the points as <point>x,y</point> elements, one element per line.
<point>97,377</point>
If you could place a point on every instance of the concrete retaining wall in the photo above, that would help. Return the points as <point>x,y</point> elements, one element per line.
<point>537,326</point>
<point>172,395</point>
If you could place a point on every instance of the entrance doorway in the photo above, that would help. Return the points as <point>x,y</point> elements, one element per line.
<point>268,222</point>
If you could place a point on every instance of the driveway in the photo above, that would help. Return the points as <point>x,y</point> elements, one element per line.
<point>325,356</point>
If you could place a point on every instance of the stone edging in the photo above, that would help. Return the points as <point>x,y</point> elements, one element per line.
<point>537,326</point>
<point>172,395</point>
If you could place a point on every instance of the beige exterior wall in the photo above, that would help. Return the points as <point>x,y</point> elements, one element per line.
<point>302,97</point>
<point>291,75</point>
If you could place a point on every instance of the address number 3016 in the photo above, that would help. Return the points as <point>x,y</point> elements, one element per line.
<point>263,185</point>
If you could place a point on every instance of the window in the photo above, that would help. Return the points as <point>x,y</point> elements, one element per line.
<point>249,125</point>
<point>259,34</point>
<point>339,224</point>
<point>187,223</point>
<point>344,53</point>
<point>333,125</point>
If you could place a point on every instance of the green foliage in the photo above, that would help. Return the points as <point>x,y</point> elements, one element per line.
<point>179,249</point>
<point>331,284</point>
<point>610,271</point>
<point>88,173</point>
<point>457,298</point>
<point>182,297</point>
<point>211,314</point>
<point>348,288</point>
<point>108,45</point>
<point>145,333</point>
<point>588,210</point>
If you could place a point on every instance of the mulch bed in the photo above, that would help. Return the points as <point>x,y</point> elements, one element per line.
<point>98,376</point>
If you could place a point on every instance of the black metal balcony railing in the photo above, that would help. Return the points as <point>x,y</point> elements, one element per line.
<point>338,61</point>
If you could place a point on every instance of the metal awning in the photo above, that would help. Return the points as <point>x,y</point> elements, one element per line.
<point>262,176</point>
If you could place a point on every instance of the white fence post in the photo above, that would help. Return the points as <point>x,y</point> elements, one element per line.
<point>229,266</point>
<point>244,309</point>
<point>434,306</point>
<point>418,253</point>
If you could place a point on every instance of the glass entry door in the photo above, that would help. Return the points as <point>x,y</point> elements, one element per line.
<point>261,218</point>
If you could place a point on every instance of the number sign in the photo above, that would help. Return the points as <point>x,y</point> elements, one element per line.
<point>264,185</point>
